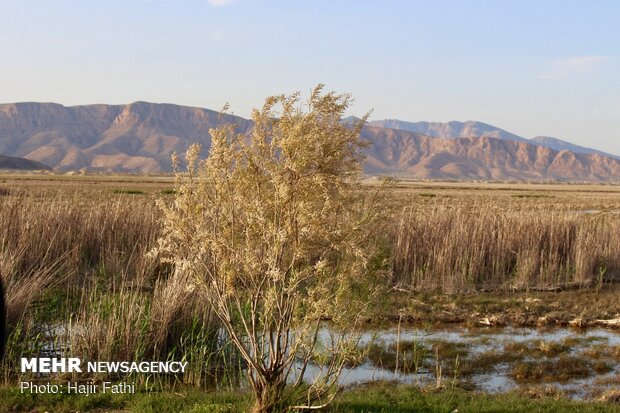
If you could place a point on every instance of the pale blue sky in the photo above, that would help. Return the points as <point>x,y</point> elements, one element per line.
<point>539,67</point>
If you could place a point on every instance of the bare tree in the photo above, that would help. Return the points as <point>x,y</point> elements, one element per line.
<point>274,228</point>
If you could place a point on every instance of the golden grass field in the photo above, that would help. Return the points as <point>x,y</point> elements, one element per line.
<point>443,236</point>
<point>448,236</point>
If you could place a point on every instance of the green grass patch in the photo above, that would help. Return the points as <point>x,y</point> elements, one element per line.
<point>182,401</point>
<point>385,398</point>
<point>374,397</point>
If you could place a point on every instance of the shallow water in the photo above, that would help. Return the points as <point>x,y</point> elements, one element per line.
<point>479,341</point>
<point>474,341</point>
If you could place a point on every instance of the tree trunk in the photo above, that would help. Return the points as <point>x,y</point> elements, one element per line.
<point>261,407</point>
<point>267,396</point>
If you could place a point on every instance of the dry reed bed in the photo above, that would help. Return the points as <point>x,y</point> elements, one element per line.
<point>76,256</point>
<point>454,247</point>
<point>77,265</point>
<point>87,229</point>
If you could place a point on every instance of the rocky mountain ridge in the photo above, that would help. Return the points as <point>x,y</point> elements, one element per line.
<point>406,154</point>
<point>468,129</point>
<point>140,138</point>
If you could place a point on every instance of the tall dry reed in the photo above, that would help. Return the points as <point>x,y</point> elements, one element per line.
<point>454,247</point>
<point>79,283</point>
<point>77,273</point>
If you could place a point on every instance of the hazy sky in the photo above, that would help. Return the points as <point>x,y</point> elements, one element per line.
<point>531,67</point>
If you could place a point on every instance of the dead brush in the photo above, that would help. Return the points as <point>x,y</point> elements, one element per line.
<point>25,287</point>
<point>455,247</point>
<point>78,281</point>
<point>90,236</point>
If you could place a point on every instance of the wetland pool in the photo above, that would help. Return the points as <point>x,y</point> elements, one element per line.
<point>580,364</point>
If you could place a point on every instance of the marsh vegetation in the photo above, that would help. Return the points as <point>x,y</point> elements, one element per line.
<point>73,258</point>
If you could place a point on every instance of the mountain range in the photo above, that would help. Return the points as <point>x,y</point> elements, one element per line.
<point>140,138</point>
<point>455,129</point>
<point>21,164</point>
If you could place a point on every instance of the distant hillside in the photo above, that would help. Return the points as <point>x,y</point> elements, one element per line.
<point>469,129</point>
<point>140,138</point>
<point>10,162</point>
<point>409,154</point>
<point>449,130</point>
<point>560,145</point>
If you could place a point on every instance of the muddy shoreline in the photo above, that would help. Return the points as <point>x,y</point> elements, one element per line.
<point>580,309</point>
